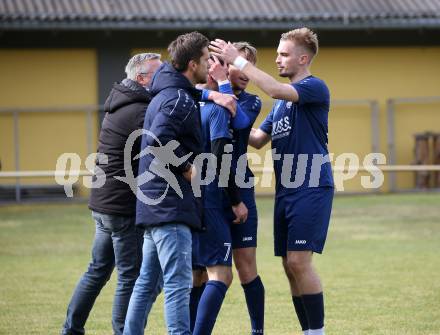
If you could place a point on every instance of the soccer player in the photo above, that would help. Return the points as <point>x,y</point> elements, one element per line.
<point>244,236</point>
<point>298,127</point>
<point>213,246</point>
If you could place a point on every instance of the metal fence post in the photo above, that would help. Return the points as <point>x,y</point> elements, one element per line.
<point>17,157</point>
<point>391,144</point>
<point>375,127</point>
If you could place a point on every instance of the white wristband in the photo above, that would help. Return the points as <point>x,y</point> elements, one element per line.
<point>222,82</point>
<point>240,62</point>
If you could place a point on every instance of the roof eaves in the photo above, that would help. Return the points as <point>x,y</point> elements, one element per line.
<point>116,22</point>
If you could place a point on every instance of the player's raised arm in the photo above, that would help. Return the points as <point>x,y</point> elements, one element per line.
<point>264,81</point>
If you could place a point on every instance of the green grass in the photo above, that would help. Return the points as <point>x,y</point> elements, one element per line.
<point>380,270</point>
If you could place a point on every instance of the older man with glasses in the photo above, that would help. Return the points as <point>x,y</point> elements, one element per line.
<point>117,240</point>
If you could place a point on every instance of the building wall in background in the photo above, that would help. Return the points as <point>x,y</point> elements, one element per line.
<point>46,78</point>
<point>382,73</point>
<point>58,77</point>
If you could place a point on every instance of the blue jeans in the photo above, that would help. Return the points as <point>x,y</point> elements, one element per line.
<point>117,241</point>
<point>166,263</point>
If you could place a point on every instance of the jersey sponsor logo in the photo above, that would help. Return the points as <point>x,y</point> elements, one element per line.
<point>281,126</point>
<point>300,242</point>
<point>247,238</point>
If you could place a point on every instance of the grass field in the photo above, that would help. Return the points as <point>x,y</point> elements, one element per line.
<point>380,270</point>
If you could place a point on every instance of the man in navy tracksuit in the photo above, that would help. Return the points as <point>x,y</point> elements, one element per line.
<point>166,205</point>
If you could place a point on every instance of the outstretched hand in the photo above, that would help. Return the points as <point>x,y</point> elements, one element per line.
<point>227,101</point>
<point>224,50</point>
<point>217,70</point>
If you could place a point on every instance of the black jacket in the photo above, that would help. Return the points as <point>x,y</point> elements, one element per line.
<point>173,114</point>
<point>125,111</point>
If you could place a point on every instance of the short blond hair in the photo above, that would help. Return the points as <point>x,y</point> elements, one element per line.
<point>249,51</point>
<point>303,37</point>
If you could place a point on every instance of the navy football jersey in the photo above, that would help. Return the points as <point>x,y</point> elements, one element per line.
<point>251,105</point>
<point>298,132</point>
<point>215,125</point>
